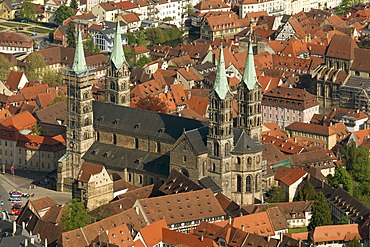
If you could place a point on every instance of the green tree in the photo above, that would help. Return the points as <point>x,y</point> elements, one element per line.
<point>354,243</point>
<point>167,18</point>
<point>71,35</point>
<point>190,9</point>
<point>306,192</point>
<point>277,194</point>
<point>131,38</point>
<point>52,77</point>
<point>357,161</point>
<point>75,216</point>
<point>142,61</point>
<point>341,176</point>
<point>344,220</point>
<point>4,68</point>
<point>89,44</point>
<point>73,4</point>
<point>37,129</point>
<point>344,7</point>
<point>130,57</point>
<point>28,10</point>
<point>155,35</point>
<point>34,65</point>
<point>141,38</point>
<point>321,214</point>
<point>63,13</point>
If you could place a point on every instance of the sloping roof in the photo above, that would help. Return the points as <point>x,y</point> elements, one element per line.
<point>87,170</point>
<point>293,176</point>
<point>258,223</point>
<point>245,144</point>
<point>210,5</point>
<point>131,121</point>
<point>43,203</point>
<point>342,46</point>
<point>361,61</point>
<point>177,182</point>
<point>54,114</point>
<point>272,154</point>
<point>336,233</point>
<point>14,79</point>
<point>311,157</point>
<point>181,207</point>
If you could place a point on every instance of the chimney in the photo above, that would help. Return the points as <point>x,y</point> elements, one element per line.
<point>201,238</point>
<point>32,240</point>
<point>299,242</point>
<point>46,242</point>
<point>230,220</point>
<point>322,183</point>
<point>24,225</point>
<point>340,186</point>
<point>189,94</point>
<point>242,227</point>
<point>26,242</point>
<point>268,238</point>
<point>14,227</point>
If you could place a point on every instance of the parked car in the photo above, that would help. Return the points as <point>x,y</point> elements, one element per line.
<point>16,209</point>
<point>15,192</point>
<point>1,203</point>
<point>15,200</point>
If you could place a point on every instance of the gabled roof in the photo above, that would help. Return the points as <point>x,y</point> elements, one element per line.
<point>342,46</point>
<point>43,203</point>
<point>361,61</point>
<point>210,5</point>
<point>87,170</point>
<point>14,78</point>
<point>293,176</point>
<point>177,182</point>
<point>181,207</point>
<point>336,233</point>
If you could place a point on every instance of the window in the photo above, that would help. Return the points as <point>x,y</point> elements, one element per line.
<point>213,167</point>
<point>140,179</point>
<point>238,183</point>
<point>257,183</point>
<point>216,149</point>
<point>114,139</point>
<point>184,158</point>
<point>248,181</point>
<point>136,142</point>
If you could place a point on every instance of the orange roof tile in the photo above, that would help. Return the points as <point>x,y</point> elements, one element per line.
<point>43,203</point>
<point>293,176</point>
<point>336,233</point>
<point>21,121</point>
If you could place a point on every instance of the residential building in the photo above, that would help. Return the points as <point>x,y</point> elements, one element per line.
<point>334,235</point>
<point>355,120</point>
<point>16,80</point>
<point>215,27</point>
<point>182,211</point>
<point>103,35</point>
<point>105,11</point>
<point>283,105</point>
<point>93,186</point>
<point>297,214</point>
<point>360,136</point>
<point>325,136</point>
<point>270,223</point>
<point>318,160</point>
<point>10,9</point>
<point>50,7</point>
<point>210,6</point>
<point>290,182</point>
<point>272,7</point>
<point>15,43</point>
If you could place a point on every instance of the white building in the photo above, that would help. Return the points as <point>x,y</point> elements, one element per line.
<point>273,7</point>
<point>290,182</point>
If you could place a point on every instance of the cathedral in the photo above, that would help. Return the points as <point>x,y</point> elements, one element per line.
<point>142,147</point>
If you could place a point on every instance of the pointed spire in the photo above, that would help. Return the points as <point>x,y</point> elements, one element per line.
<point>117,56</point>
<point>221,86</point>
<point>79,62</point>
<point>249,76</point>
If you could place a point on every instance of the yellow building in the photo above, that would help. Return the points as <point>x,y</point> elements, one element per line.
<point>9,9</point>
<point>318,135</point>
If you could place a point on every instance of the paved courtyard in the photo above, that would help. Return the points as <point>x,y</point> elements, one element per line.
<point>22,181</point>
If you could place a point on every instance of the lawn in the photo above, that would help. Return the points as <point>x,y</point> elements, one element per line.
<point>297,230</point>
<point>38,30</point>
<point>9,24</point>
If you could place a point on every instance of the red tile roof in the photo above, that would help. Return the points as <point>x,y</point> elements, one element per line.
<point>43,203</point>
<point>14,78</point>
<point>87,170</point>
<point>293,176</point>
<point>336,233</point>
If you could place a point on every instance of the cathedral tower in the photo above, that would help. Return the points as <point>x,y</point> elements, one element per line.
<point>80,130</point>
<point>117,80</point>
<point>220,135</point>
<point>249,98</point>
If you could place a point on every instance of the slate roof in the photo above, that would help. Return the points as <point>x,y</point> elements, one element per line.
<point>198,139</point>
<point>133,120</point>
<point>117,158</point>
<point>208,183</point>
<point>177,182</point>
<point>244,144</point>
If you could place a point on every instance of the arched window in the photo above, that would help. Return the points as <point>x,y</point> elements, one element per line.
<point>249,163</point>
<point>213,167</point>
<point>227,149</point>
<point>357,72</point>
<point>257,183</point>
<point>123,99</point>
<point>185,172</point>
<point>114,139</point>
<point>112,98</point>
<point>98,136</point>
<point>238,183</point>
<point>248,182</point>
<point>216,149</point>
<point>113,85</point>
<point>238,160</point>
